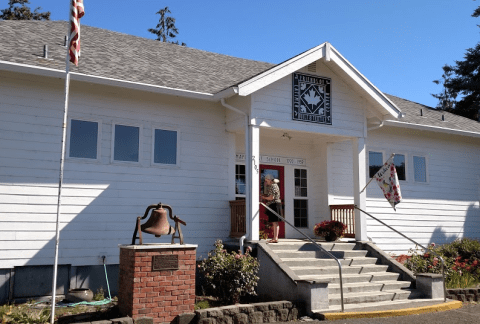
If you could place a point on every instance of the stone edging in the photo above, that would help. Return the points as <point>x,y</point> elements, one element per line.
<point>464,295</point>
<point>270,312</point>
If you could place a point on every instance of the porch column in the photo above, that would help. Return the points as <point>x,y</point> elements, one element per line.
<point>359,181</point>
<point>254,157</point>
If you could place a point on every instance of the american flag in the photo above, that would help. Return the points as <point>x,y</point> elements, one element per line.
<point>76,12</point>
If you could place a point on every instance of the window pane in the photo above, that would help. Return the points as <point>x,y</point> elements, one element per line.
<point>126,143</point>
<point>300,213</point>
<point>375,160</point>
<point>83,139</point>
<point>240,179</point>
<point>300,182</point>
<point>399,160</point>
<point>420,169</point>
<point>165,147</point>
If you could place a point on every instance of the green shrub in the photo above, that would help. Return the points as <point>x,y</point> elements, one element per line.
<point>228,276</point>
<point>462,262</point>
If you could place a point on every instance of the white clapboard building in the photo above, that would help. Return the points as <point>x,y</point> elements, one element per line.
<point>153,122</point>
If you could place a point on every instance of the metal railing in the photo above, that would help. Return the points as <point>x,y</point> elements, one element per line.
<point>318,246</point>
<point>426,249</point>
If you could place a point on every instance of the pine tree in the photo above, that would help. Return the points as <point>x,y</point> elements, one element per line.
<point>463,79</point>
<point>165,29</point>
<point>18,10</point>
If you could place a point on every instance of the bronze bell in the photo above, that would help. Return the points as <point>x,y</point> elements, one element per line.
<point>158,224</point>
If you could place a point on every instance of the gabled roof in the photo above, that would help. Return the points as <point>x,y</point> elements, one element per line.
<point>331,55</point>
<point>118,59</point>
<point>114,55</point>
<point>432,119</point>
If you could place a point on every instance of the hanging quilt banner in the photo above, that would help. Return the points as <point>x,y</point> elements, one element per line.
<point>311,99</point>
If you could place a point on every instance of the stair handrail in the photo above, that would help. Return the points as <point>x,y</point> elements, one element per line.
<point>318,246</point>
<point>426,249</point>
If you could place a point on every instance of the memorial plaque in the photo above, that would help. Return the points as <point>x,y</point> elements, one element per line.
<point>164,262</point>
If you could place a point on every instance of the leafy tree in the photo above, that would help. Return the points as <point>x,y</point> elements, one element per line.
<point>446,98</point>
<point>18,10</point>
<point>165,29</point>
<point>463,79</point>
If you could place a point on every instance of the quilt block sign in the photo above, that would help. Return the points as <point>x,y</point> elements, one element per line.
<point>311,99</point>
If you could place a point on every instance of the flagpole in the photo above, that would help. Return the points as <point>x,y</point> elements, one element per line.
<point>393,154</point>
<point>60,181</point>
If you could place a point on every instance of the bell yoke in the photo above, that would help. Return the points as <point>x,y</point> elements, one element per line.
<point>158,224</point>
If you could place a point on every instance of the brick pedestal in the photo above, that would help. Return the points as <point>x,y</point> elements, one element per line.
<point>157,281</point>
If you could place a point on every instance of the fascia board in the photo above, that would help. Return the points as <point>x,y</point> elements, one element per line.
<point>452,131</point>
<point>364,83</point>
<point>276,73</point>
<point>41,71</point>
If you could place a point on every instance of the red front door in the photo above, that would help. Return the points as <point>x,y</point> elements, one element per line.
<point>277,172</point>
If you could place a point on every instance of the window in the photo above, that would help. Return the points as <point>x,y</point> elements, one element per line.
<point>83,139</point>
<point>420,169</point>
<point>165,146</point>
<point>300,206</point>
<point>300,183</point>
<point>240,180</point>
<point>126,143</point>
<point>399,161</point>
<point>300,212</point>
<point>375,162</point>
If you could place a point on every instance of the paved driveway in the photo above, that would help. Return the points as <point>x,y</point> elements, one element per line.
<point>467,314</point>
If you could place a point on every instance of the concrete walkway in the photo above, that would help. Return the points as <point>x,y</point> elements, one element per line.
<point>469,313</point>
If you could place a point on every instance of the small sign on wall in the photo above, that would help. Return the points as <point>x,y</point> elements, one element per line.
<point>311,99</point>
<point>268,159</point>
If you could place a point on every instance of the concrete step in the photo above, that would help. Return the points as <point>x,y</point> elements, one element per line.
<point>356,287</point>
<point>321,255</point>
<point>314,262</point>
<point>305,270</point>
<point>349,278</point>
<point>368,297</point>
<point>381,306</point>
<point>301,246</point>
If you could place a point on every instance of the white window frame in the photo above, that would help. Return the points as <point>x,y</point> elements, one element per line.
<point>240,195</point>
<point>306,198</point>
<point>368,159</point>
<point>140,143</point>
<point>407,162</point>
<point>99,139</point>
<point>427,178</point>
<point>167,128</point>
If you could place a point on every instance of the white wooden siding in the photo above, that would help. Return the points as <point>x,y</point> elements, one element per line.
<point>439,211</point>
<point>101,199</point>
<point>273,105</point>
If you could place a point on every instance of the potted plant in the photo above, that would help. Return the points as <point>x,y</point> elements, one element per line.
<point>330,230</point>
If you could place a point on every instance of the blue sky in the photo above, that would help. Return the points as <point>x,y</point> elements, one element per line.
<point>399,45</point>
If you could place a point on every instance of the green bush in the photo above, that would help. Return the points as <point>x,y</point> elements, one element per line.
<point>462,262</point>
<point>228,276</point>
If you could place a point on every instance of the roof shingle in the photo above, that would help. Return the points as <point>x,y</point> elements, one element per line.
<point>120,56</point>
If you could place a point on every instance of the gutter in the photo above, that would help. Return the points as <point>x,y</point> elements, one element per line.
<point>248,172</point>
<point>54,73</point>
<point>432,128</point>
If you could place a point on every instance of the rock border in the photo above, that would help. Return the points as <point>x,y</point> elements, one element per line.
<point>464,295</point>
<point>267,312</point>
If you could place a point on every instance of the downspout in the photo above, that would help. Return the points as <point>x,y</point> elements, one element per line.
<point>248,172</point>
<point>376,127</point>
